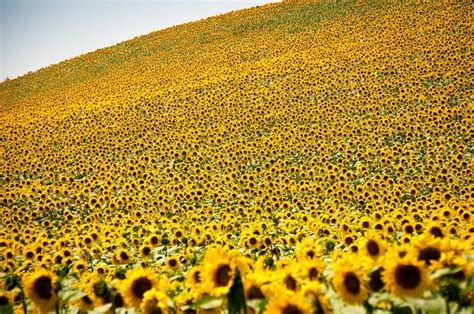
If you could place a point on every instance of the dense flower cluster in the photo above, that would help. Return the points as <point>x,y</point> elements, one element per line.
<point>298,157</point>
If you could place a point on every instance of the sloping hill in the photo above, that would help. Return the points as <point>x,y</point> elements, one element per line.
<point>296,132</point>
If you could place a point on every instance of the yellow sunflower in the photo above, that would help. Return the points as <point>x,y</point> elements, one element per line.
<point>154,301</point>
<point>405,276</point>
<point>372,245</point>
<point>40,288</point>
<point>288,302</point>
<point>137,282</point>
<point>314,292</point>
<point>219,268</point>
<point>348,281</point>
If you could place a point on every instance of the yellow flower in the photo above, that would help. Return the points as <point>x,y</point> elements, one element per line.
<point>348,281</point>
<point>137,282</point>
<point>288,302</point>
<point>218,271</point>
<point>154,301</point>
<point>40,287</point>
<point>405,276</point>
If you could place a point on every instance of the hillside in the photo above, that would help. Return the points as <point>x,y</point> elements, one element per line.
<point>304,148</point>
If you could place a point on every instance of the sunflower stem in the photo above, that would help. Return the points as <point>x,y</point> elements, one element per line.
<point>448,309</point>
<point>23,302</point>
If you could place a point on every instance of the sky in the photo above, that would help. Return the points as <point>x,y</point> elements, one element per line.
<point>38,33</point>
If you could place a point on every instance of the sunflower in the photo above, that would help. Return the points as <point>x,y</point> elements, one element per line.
<point>428,248</point>
<point>405,276</point>
<point>288,302</point>
<point>253,283</point>
<point>193,277</point>
<point>40,287</point>
<point>218,271</point>
<point>372,246</point>
<point>96,288</point>
<point>314,292</point>
<point>154,301</point>
<point>312,269</point>
<point>5,298</point>
<point>137,282</point>
<point>348,281</point>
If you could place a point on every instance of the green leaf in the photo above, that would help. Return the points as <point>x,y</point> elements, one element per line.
<point>71,295</point>
<point>6,309</point>
<point>445,271</point>
<point>206,303</point>
<point>236,296</point>
<point>103,308</point>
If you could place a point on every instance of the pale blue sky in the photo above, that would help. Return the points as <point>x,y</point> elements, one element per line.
<point>37,33</point>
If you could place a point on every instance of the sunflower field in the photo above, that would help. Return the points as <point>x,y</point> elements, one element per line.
<point>297,157</point>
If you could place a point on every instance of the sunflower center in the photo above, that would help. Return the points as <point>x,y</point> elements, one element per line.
<point>373,248</point>
<point>255,293</point>
<point>291,309</point>
<point>313,273</point>
<point>3,300</point>
<point>310,254</point>
<point>124,256</point>
<point>146,250</point>
<point>352,283</point>
<point>436,232</point>
<point>43,286</point>
<point>118,300</point>
<point>140,286</point>
<point>408,276</point>
<point>375,280</point>
<point>290,283</point>
<point>428,254</point>
<point>197,276</point>
<point>223,275</point>
<point>152,307</point>
<point>173,263</point>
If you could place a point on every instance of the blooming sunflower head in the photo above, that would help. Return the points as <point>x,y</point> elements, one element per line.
<point>348,281</point>
<point>371,245</point>
<point>218,271</point>
<point>136,284</point>
<point>154,302</point>
<point>405,277</point>
<point>40,287</point>
<point>288,302</point>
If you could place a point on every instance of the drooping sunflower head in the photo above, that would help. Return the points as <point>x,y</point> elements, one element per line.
<point>136,284</point>
<point>405,277</point>
<point>40,287</point>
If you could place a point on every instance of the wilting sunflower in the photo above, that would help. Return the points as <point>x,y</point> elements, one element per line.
<point>288,302</point>
<point>40,288</point>
<point>137,282</point>
<point>218,271</point>
<point>405,277</point>
<point>154,302</point>
<point>348,281</point>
